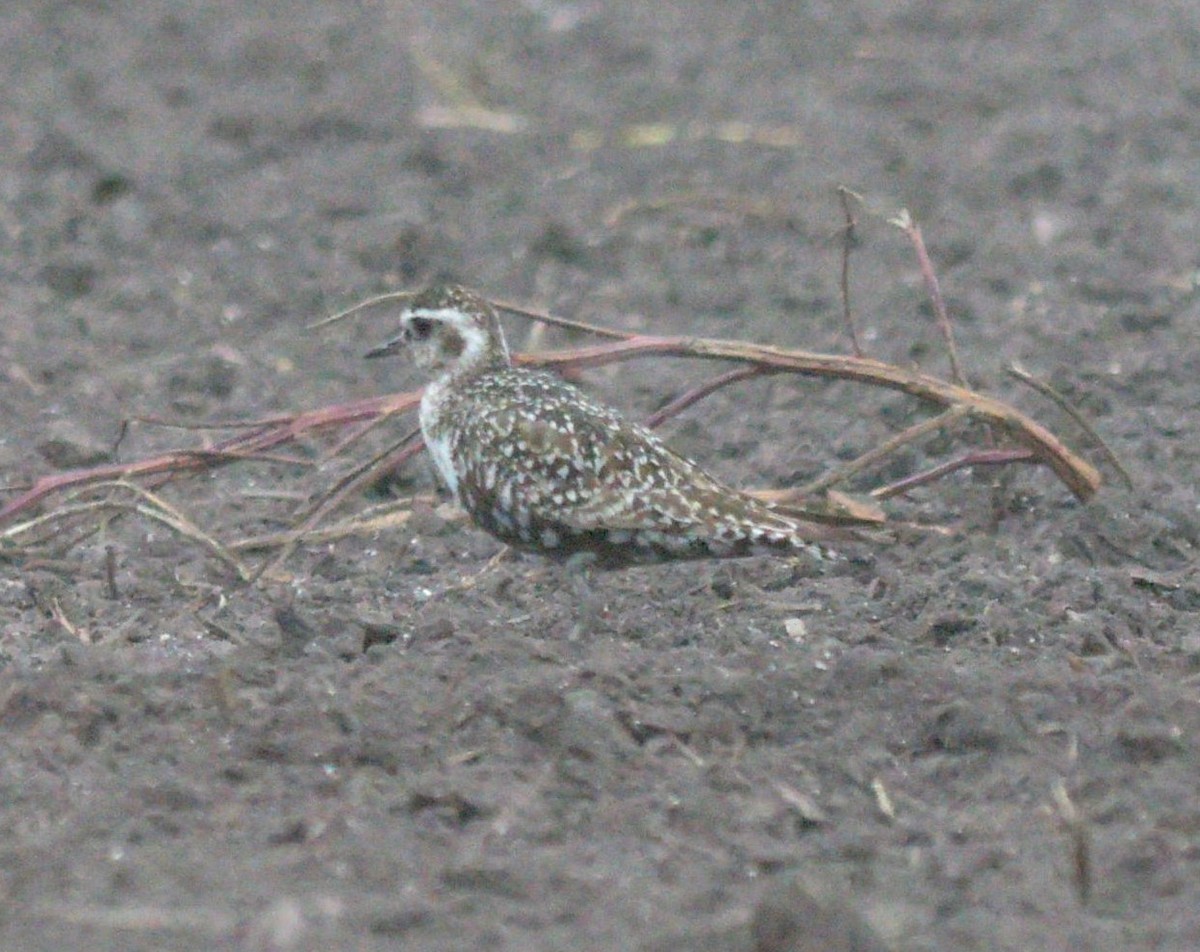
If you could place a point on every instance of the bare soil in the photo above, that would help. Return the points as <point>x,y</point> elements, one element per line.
<point>408,745</point>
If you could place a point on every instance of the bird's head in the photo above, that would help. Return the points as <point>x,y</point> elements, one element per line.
<point>448,329</point>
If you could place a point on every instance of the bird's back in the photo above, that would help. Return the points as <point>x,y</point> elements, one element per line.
<point>542,466</point>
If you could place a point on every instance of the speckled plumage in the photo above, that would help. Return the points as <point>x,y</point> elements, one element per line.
<point>544,467</point>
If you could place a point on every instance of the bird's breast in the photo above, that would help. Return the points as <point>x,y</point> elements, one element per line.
<point>439,440</point>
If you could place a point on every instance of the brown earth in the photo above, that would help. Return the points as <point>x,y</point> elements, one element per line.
<point>407,747</point>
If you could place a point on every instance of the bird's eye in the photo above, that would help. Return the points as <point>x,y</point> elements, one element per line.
<point>419,328</point>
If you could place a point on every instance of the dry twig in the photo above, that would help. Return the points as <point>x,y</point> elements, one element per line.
<point>912,231</point>
<point>848,238</point>
<point>1020,373</point>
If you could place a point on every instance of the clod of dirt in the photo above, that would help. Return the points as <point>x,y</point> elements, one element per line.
<point>798,918</point>
<point>68,445</point>
<point>963,727</point>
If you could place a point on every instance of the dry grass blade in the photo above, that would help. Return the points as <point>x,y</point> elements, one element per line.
<point>831,507</point>
<point>189,530</point>
<point>204,424</point>
<point>59,514</point>
<point>394,456</point>
<point>740,205</point>
<point>156,508</point>
<point>883,799</point>
<point>60,617</point>
<point>150,507</point>
<point>644,135</point>
<point>465,109</point>
<point>1081,841</point>
<point>360,306</point>
<point>391,516</point>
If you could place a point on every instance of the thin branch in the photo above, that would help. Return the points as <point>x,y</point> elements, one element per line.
<point>912,230</point>
<point>360,432</point>
<point>848,240</point>
<point>1080,476</point>
<point>544,317</point>
<point>696,394</point>
<point>980,458</point>
<point>206,424</point>
<point>235,449</point>
<point>1078,418</point>
<point>885,449</point>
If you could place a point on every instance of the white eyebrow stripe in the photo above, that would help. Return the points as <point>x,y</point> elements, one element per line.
<point>465,321</point>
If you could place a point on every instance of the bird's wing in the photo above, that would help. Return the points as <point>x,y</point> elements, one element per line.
<point>576,462</point>
<point>621,477</point>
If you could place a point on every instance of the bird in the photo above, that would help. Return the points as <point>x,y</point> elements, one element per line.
<point>545,468</point>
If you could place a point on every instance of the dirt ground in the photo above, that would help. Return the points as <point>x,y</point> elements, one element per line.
<point>405,745</point>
